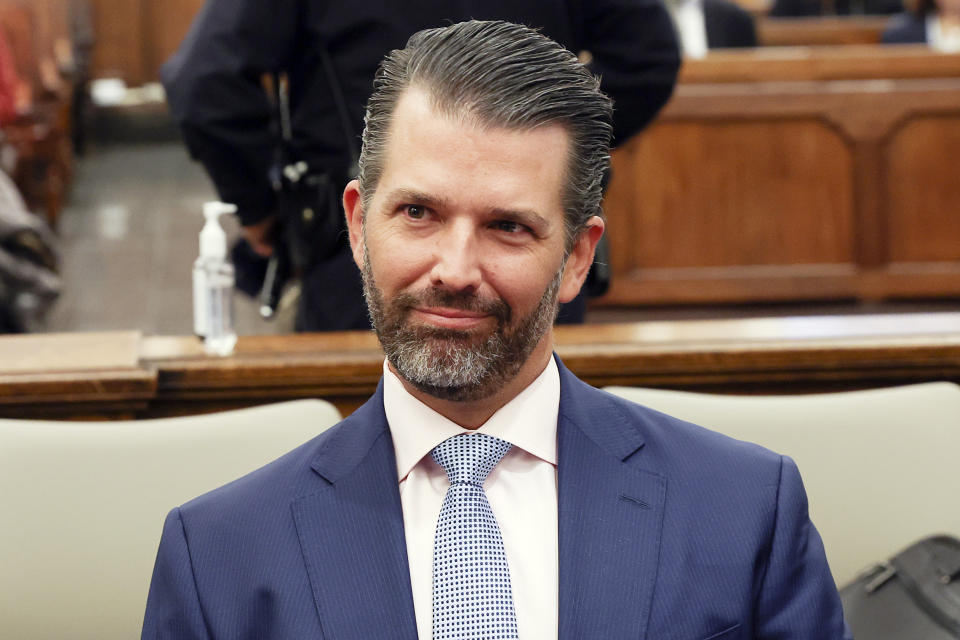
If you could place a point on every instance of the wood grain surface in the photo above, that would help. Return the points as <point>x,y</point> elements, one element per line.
<point>172,375</point>
<point>820,31</point>
<point>801,190</point>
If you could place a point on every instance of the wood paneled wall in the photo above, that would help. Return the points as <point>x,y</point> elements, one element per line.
<point>135,37</point>
<point>791,190</point>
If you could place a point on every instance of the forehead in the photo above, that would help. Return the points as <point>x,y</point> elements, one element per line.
<point>454,155</point>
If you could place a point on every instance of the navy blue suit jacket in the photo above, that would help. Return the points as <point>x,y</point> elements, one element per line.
<point>667,531</point>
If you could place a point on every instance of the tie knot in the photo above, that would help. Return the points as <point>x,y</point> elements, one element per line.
<point>469,458</point>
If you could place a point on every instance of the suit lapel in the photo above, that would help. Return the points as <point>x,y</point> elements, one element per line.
<point>351,533</point>
<point>610,515</point>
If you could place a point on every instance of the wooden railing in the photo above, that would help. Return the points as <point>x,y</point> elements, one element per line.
<point>813,64</point>
<point>123,375</point>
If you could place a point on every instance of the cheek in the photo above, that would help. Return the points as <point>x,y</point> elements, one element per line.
<point>395,263</point>
<point>522,280</point>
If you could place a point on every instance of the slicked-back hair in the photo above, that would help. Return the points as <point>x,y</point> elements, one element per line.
<point>498,74</point>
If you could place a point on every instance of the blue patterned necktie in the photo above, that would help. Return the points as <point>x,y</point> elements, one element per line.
<point>472,598</point>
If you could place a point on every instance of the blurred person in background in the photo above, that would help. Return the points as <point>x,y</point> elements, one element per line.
<point>327,54</point>
<point>803,8</point>
<point>711,24</point>
<point>29,280</point>
<point>934,22</point>
<point>82,39</point>
<point>29,283</point>
<point>14,92</point>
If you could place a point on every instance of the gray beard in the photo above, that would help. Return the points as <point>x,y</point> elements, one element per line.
<point>451,364</point>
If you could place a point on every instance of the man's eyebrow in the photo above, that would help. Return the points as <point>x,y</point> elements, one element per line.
<point>412,196</point>
<point>528,217</point>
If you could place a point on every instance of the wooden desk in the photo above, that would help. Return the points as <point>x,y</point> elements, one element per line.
<point>172,376</point>
<point>74,375</point>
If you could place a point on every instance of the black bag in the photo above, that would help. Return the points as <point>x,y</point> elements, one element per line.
<point>915,595</point>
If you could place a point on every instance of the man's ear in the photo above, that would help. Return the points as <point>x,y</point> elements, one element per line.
<point>580,259</point>
<point>353,207</point>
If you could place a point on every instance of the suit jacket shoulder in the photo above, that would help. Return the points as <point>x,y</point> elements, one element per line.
<point>316,535</point>
<point>666,442</point>
<point>682,518</point>
<point>306,469</point>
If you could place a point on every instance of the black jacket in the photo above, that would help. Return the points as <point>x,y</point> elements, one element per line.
<point>214,92</point>
<point>797,8</point>
<point>728,25</point>
<point>905,28</point>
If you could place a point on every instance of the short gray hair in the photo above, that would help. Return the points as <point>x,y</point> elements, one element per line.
<point>504,75</point>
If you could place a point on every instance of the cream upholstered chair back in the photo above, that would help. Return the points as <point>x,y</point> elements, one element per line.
<point>880,466</point>
<point>82,506</point>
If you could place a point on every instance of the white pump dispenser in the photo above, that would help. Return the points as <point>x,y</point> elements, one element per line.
<point>213,283</point>
<point>213,240</point>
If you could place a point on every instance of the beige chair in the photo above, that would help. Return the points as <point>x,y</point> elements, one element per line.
<point>82,507</point>
<point>879,466</point>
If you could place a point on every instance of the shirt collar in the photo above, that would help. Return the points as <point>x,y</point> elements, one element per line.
<point>528,421</point>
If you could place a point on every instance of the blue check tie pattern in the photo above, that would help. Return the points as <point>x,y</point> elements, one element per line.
<point>472,598</point>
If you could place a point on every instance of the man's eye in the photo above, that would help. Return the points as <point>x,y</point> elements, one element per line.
<point>509,226</point>
<point>414,212</point>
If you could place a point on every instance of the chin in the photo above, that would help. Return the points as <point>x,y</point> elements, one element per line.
<point>464,393</point>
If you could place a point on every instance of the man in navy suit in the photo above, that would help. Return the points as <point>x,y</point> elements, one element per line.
<point>474,215</point>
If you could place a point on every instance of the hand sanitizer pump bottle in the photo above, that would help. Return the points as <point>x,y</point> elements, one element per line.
<point>213,282</point>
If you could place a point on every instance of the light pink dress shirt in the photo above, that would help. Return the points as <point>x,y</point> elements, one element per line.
<point>522,491</point>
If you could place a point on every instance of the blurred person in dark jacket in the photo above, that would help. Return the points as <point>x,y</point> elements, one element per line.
<point>215,93</point>
<point>711,24</point>
<point>933,22</point>
<point>801,8</point>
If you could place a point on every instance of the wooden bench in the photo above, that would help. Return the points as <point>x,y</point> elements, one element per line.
<point>797,175</point>
<point>823,31</point>
<point>814,64</point>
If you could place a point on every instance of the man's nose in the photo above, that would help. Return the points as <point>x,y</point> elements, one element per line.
<point>457,260</point>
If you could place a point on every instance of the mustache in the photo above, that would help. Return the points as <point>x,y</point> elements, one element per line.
<point>461,300</point>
